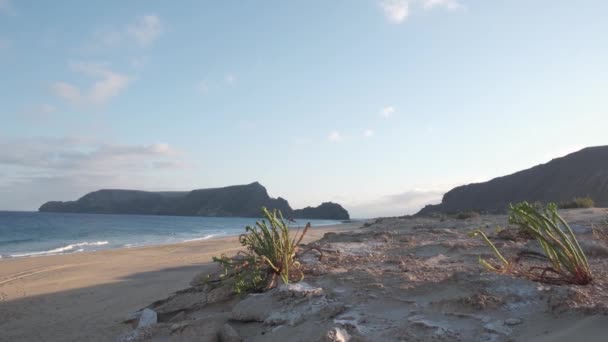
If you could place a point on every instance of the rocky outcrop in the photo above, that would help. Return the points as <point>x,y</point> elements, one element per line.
<point>327,210</point>
<point>583,173</point>
<point>231,201</point>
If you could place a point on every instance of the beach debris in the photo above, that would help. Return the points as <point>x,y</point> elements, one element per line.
<point>147,318</point>
<point>228,334</point>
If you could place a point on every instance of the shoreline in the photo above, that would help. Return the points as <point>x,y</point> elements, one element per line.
<point>86,295</point>
<point>36,254</point>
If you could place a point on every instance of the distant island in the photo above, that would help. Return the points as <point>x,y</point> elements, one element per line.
<point>579,174</point>
<point>231,201</point>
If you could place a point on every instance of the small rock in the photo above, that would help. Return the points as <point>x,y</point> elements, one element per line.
<point>254,308</point>
<point>228,334</point>
<point>134,316</point>
<point>298,290</point>
<point>332,310</point>
<point>178,326</point>
<point>148,317</point>
<point>336,334</point>
<point>220,294</point>
<point>513,321</point>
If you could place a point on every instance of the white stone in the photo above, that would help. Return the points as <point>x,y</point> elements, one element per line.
<point>148,317</point>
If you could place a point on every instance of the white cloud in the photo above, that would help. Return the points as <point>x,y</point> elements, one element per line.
<point>447,4</point>
<point>396,11</point>
<point>142,32</point>
<point>84,155</point>
<point>7,8</point>
<point>230,78</point>
<point>145,30</point>
<point>108,85</point>
<point>388,111</point>
<point>335,137</point>
<point>368,133</point>
<point>36,170</point>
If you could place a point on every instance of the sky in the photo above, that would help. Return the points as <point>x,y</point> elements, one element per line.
<point>380,105</point>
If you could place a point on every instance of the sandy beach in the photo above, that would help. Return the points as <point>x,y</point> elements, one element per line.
<point>84,296</point>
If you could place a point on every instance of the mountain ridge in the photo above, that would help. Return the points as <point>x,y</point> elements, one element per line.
<point>582,173</point>
<point>230,201</point>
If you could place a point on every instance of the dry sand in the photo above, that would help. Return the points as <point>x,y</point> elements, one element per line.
<point>85,296</point>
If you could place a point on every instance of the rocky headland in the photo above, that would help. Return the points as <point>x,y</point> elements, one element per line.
<point>231,201</point>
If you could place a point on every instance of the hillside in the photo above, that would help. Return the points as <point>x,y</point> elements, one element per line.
<point>231,201</point>
<point>583,173</point>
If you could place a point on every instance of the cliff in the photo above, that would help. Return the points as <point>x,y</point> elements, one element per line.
<point>583,173</point>
<point>231,201</point>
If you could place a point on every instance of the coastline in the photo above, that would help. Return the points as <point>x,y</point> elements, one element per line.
<point>85,295</point>
<point>143,231</point>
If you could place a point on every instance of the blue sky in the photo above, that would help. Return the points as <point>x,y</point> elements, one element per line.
<point>379,105</point>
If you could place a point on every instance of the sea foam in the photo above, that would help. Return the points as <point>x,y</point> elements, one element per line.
<point>61,250</point>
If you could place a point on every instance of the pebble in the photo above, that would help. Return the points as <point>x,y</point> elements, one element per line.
<point>513,321</point>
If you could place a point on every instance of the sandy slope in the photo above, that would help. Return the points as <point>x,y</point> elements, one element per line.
<point>404,279</point>
<point>84,296</point>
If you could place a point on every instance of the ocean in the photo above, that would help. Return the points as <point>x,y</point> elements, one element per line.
<point>25,234</point>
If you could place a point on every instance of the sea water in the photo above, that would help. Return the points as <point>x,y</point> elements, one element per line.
<point>24,234</point>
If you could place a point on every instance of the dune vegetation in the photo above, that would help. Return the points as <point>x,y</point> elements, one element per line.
<point>271,253</point>
<point>566,260</point>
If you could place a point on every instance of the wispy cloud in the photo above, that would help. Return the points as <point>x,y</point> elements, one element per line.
<point>447,4</point>
<point>145,30</point>
<point>108,85</point>
<point>397,11</point>
<point>84,155</point>
<point>335,137</point>
<point>387,111</point>
<point>142,32</point>
<point>7,8</point>
<point>405,203</point>
<point>65,168</point>
<point>368,133</point>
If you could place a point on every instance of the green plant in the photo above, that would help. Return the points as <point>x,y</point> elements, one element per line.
<point>578,202</point>
<point>273,244</point>
<point>505,264</point>
<point>270,253</point>
<point>557,240</point>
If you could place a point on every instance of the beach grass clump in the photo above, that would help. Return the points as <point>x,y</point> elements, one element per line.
<point>504,266</point>
<point>557,240</point>
<point>271,253</point>
<point>578,202</point>
<point>567,261</point>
